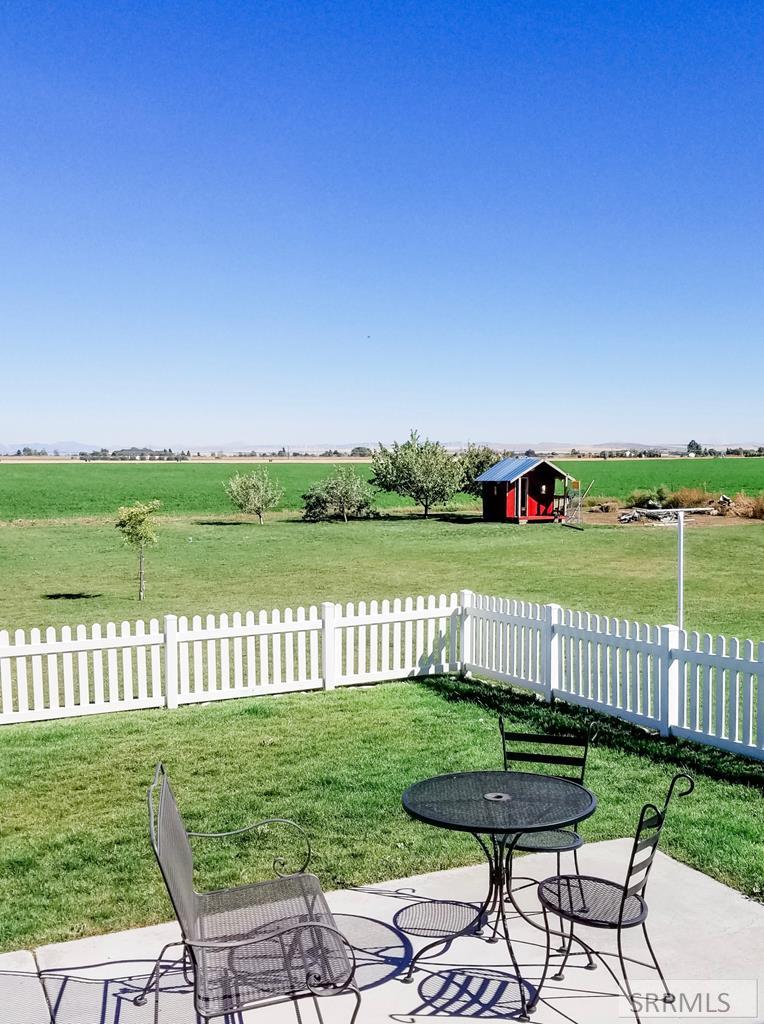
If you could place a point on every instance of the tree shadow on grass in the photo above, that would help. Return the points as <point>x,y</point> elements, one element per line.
<point>611,732</point>
<point>224,522</point>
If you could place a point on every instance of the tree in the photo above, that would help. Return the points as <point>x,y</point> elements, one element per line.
<point>254,493</point>
<point>693,448</point>
<point>476,459</point>
<point>137,525</point>
<point>341,495</point>
<point>359,452</point>
<point>422,470</point>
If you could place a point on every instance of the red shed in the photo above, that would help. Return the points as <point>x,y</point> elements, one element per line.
<point>524,490</point>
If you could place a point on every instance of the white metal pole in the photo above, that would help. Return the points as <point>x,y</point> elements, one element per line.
<point>680,569</point>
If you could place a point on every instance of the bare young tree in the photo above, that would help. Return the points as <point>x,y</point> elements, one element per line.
<point>254,493</point>
<point>137,525</point>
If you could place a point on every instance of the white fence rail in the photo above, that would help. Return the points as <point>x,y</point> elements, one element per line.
<point>707,689</point>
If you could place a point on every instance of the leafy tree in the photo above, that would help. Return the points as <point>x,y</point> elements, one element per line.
<point>476,459</point>
<point>341,495</point>
<point>137,525</point>
<point>254,493</point>
<point>359,452</point>
<point>693,448</point>
<point>422,470</point>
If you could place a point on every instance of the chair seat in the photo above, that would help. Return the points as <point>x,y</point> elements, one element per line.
<point>280,966</point>
<point>556,840</point>
<point>592,901</point>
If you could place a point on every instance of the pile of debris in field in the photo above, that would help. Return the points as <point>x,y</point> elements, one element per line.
<point>722,506</point>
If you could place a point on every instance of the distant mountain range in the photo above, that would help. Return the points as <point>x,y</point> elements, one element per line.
<point>233,447</point>
<point>64,447</point>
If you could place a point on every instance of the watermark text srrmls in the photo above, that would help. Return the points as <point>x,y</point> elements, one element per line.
<point>694,1000</point>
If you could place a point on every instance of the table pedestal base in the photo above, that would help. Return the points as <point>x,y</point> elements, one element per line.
<point>498,851</point>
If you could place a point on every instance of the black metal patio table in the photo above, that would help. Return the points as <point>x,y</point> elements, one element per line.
<point>500,806</point>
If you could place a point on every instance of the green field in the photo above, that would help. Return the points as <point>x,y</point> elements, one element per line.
<point>207,565</point>
<point>76,489</point>
<point>617,478</point>
<point>74,852</point>
<point>62,561</point>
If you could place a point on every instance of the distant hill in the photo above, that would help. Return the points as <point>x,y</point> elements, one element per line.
<point>64,447</point>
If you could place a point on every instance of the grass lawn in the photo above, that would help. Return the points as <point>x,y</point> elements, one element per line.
<point>74,853</point>
<point>70,489</point>
<point>210,565</point>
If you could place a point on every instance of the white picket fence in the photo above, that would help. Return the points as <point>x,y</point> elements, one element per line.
<point>707,689</point>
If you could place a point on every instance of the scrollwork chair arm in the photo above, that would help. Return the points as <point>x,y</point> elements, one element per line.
<point>279,863</point>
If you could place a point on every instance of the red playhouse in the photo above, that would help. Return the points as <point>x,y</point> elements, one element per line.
<point>524,490</point>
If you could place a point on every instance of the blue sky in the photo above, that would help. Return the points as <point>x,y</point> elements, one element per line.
<point>329,222</point>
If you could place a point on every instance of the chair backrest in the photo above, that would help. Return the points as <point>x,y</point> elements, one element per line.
<point>647,836</point>
<point>570,764</point>
<point>172,849</point>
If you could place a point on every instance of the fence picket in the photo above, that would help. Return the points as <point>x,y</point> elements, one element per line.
<point>238,658</point>
<point>302,671</point>
<point>140,662</point>
<point>197,656</point>
<point>374,639</point>
<point>249,620</point>
<point>225,657</point>
<point>264,673</point>
<point>54,696</point>
<point>184,660</point>
<point>212,660</point>
<point>349,661</point>
<point>315,657</point>
<point>276,648</point>
<point>6,678</point>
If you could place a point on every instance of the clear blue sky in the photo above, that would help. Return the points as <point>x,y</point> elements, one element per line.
<point>329,222</point>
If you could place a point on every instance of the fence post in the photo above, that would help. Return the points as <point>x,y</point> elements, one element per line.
<point>551,640</point>
<point>171,661</point>
<point>466,598</point>
<point>329,649</point>
<point>669,680</point>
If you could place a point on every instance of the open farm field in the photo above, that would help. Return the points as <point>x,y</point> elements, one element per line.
<point>617,478</point>
<point>76,489</point>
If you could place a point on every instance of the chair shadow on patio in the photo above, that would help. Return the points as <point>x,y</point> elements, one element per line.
<point>104,993</point>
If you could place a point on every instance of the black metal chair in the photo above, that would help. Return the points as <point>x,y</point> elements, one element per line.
<point>568,765</point>
<point>602,903</point>
<point>251,946</point>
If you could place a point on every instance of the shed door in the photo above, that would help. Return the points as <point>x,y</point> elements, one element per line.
<point>523,496</point>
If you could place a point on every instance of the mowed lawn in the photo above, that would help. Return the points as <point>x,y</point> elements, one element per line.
<point>70,489</point>
<point>70,573</point>
<point>74,852</point>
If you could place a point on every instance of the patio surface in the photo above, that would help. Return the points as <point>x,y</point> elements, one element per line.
<point>701,931</point>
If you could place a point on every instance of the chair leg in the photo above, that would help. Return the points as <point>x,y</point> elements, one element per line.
<point>567,947</point>
<point>561,948</point>
<point>155,977</point>
<point>532,1006</point>
<point>357,992</point>
<point>669,997</point>
<point>627,983</point>
<point>580,886</point>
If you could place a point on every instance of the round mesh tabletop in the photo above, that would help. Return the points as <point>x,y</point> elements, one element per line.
<point>498,802</point>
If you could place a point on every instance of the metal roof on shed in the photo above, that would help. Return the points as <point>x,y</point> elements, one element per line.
<point>508,470</point>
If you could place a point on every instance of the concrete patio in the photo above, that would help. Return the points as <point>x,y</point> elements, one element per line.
<point>702,931</point>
